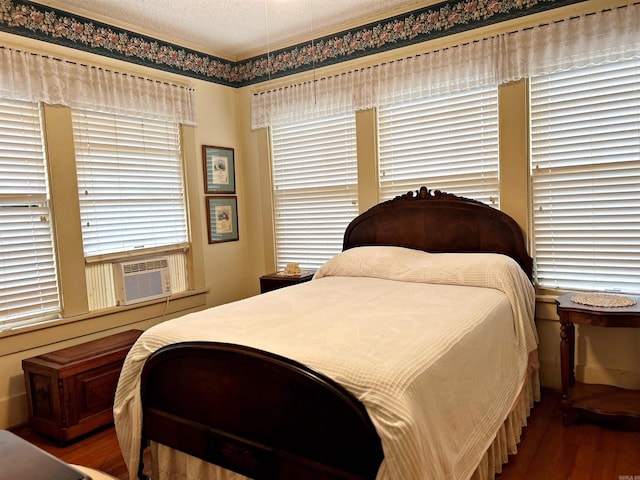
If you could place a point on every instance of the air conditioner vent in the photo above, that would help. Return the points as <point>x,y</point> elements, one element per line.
<point>142,280</point>
<point>155,264</point>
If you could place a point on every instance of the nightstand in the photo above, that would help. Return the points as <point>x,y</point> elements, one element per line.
<point>273,281</point>
<point>613,406</point>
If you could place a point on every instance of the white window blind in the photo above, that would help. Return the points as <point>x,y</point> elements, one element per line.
<point>28,284</point>
<point>315,188</point>
<point>585,158</point>
<point>445,142</point>
<point>130,182</point>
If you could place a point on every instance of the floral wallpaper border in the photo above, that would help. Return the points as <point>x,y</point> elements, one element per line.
<point>51,25</point>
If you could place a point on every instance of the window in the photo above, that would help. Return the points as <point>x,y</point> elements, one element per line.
<point>28,284</point>
<point>446,142</point>
<point>585,159</point>
<point>130,182</point>
<point>315,188</point>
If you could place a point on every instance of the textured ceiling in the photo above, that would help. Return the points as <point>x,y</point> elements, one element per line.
<point>237,29</point>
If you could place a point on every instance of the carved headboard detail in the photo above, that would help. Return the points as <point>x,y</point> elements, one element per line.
<point>439,222</point>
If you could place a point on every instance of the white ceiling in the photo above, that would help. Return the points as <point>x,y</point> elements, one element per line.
<point>237,29</point>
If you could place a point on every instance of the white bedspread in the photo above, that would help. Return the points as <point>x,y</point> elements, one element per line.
<point>434,345</point>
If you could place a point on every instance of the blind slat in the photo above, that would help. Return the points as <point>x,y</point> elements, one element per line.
<point>447,142</point>
<point>28,282</point>
<point>315,188</point>
<point>585,159</point>
<point>130,182</point>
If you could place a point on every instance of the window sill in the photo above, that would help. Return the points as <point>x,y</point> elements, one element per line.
<point>103,321</point>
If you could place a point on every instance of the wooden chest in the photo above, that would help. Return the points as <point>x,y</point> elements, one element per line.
<point>70,391</point>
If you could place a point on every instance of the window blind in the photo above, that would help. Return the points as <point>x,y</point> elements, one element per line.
<point>315,188</point>
<point>130,182</point>
<point>28,283</point>
<point>445,142</point>
<point>585,159</point>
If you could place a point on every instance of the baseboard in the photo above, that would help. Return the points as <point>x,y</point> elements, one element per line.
<point>550,376</point>
<point>608,376</point>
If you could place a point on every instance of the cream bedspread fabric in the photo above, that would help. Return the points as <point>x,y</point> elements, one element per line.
<point>434,345</point>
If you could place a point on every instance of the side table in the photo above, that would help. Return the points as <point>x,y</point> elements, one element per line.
<point>273,281</point>
<point>613,406</point>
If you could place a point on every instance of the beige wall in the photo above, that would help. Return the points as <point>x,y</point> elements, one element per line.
<point>230,271</point>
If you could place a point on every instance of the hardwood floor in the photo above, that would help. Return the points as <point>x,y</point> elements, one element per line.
<point>548,451</point>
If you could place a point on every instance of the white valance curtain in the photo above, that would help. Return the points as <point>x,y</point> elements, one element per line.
<point>590,39</point>
<point>28,76</point>
<point>397,81</point>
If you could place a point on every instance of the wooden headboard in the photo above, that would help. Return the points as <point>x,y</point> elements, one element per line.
<point>438,222</point>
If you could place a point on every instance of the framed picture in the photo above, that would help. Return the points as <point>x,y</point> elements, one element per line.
<point>219,169</point>
<point>222,219</point>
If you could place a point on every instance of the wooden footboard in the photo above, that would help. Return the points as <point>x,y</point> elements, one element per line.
<point>258,414</point>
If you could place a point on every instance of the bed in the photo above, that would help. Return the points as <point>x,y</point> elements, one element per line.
<point>410,355</point>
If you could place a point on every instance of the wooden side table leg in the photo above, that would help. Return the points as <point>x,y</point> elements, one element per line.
<point>572,354</point>
<point>567,351</point>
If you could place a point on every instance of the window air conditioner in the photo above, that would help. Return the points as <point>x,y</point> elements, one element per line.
<point>142,280</point>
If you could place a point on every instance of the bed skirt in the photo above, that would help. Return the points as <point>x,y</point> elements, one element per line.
<point>508,437</point>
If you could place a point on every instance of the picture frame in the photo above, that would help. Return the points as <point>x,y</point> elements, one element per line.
<point>222,219</point>
<point>219,169</point>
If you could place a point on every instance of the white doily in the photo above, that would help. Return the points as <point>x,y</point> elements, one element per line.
<point>603,300</point>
